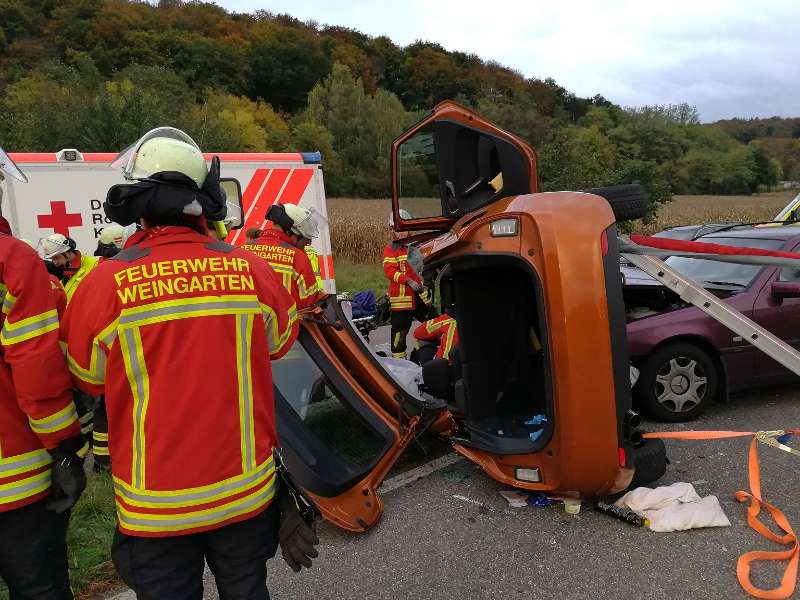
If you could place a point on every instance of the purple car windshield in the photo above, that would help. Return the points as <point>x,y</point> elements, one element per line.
<point>723,273</point>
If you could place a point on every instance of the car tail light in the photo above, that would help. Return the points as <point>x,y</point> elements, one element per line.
<point>527,474</point>
<point>505,227</point>
<point>622,460</point>
<point>604,243</point>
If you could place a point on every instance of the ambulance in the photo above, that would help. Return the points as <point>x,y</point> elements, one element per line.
<point>63,192</point>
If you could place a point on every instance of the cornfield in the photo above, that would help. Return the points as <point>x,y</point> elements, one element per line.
<point>358,227</point>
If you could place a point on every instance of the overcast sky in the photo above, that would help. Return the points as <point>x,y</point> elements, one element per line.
<point>730,58</point>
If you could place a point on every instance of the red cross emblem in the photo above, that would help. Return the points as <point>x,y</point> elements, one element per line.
<point>60,220</point>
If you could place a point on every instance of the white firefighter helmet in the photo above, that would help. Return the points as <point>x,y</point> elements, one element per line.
<point>306,221</point>
<point>163,149</point>
<point>112,234</point>
<point>404,214</point>
<point>53,245</point>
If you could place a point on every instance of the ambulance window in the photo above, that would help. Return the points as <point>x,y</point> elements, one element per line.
<point>332,422</point>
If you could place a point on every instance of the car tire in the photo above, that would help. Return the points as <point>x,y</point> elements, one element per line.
<point>629,202</point>
<point>650,460</point>
<point>677,382</point>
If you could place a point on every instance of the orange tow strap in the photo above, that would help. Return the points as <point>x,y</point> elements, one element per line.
<point>789,538</point>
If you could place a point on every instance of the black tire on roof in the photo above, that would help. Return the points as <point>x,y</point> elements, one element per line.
<point>628,202</point>
<point>650,459</point>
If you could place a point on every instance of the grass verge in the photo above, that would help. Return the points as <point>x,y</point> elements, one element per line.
<point>91,528</point>
<point>354,277</point>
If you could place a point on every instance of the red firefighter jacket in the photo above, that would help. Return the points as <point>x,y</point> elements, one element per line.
<point>290,262</point>
<point>178,331</point>
<point>444,329</point>
<point>36,408</point>
<point>59,295</point>
<point>398,271</point>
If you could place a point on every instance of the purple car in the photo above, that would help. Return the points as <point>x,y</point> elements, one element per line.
<point>685,357</point>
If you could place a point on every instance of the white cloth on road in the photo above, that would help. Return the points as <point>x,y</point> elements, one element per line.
<point>675,507</point>
<point>408,374</point>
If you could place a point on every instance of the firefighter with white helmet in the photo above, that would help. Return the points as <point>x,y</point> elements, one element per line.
<point>110,241</point>
<point>65,260</point>
<point>160,329</point>
<point>282,247</point>
<point>408,296</point>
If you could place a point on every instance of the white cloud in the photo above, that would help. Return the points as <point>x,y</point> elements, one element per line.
<point>734,58</point>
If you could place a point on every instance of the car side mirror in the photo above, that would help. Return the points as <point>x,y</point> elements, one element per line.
<point>785,289</point>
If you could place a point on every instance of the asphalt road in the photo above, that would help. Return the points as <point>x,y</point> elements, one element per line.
<point>451,535</point>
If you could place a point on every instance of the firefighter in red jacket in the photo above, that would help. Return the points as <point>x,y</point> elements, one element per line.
<point>283,248</point>
<point>408,297</point>
<point>41,449</point>
<point>178,331</point>
<point>442,329</point>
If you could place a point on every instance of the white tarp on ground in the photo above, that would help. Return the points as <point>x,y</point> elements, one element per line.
<point>675,507</point>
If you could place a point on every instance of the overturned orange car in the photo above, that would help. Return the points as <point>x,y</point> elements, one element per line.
<point>537,392</point>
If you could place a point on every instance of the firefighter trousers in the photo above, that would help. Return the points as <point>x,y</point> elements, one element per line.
<point>400,321</point>
<point>172,567</point>
<point>33,553</point>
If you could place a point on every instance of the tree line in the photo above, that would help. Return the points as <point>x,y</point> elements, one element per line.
<point>96,74</point>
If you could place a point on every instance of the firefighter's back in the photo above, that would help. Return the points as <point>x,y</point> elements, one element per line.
<point>189,325</point>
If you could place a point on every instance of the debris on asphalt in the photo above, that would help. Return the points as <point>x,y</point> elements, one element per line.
<point>675,507</point>
<point>520,499</point>
<point>623,514</point>
<point>454,475</point>
<point>470,500</point>
<point>572,506</point>
<point>535,435</point>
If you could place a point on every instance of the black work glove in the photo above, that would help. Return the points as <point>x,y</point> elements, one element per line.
<point>68,477</point>
<point>296,537</point>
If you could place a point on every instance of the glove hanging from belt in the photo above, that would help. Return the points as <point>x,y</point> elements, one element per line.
<point>297,533</point>
<point>68,477</point>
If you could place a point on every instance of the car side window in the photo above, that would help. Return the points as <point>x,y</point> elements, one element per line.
<point>790,273</point>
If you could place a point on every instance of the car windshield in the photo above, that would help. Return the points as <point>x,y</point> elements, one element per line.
<point>677,234</point>
<point>723,273</point>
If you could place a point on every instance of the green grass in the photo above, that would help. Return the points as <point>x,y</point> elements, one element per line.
<point>91,528</point>
<point>354,277</point>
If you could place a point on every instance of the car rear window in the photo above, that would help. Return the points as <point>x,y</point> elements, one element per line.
<point>712,271</point>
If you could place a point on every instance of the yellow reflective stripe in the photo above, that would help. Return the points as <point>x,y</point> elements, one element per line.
<point>7,299</point>
<point>87,417</point>
<point>198,495</point>
<point>276,338</point>
<point>96,373</point>
<point>396,276</point>
<point>137,521</point>
<point>26,329</point>
<point>136,370</point>
<point>203,306</point>
<point>99,436</point>
<point>244,376</point>
<point>83,450</point>
<point>448,344</point>
<point>24,488</point>
<point>389,260</point>
<point>22,463</point>
<point>55,422</point>
<point>305,291</point>
<point>100,451</point>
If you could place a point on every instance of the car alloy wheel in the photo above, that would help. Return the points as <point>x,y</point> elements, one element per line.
<point>681,384</point>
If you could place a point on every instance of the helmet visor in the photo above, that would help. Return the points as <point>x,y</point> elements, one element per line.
<point>10,168</point>
<point>126,160</point>
<point>308,227</point>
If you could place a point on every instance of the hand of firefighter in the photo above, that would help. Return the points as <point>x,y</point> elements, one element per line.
<point>417,287</point>
<point>68,476</point>
<point>296,537</point>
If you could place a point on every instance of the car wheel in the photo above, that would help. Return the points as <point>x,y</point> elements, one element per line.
<point>677,382</point>
<point>650,460</point>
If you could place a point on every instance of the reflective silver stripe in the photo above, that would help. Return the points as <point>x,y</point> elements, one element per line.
<point>174,521</point>
<point>49,426</point>
<point>221,490</point>
<point>166,311</point>
<point>130,347</point>
<point>21,487</point>
<point>9,332</point>
<point>244,325</point>
<point>32,460</point>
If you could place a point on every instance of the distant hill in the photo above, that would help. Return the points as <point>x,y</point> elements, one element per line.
<point>96,74</point>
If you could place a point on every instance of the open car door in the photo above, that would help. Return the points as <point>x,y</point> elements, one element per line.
<point>343,419</point>
<point>454,162</point>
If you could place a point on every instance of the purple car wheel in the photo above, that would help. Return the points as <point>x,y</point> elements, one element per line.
<point>677,382</point>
